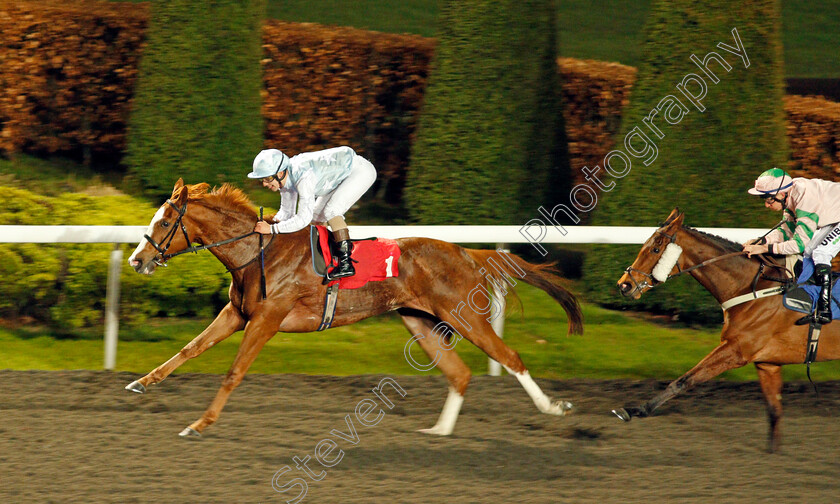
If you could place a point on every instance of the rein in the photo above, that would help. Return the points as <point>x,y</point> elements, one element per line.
<point>652,282</point>
<point>704,263</point>
<point>162,257</point>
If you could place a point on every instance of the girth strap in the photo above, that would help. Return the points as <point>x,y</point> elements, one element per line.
<point>330,302</point>
<point>814,330</point>
<point>813,342</point>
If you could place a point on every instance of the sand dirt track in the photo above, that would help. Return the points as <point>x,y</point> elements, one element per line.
<point>78,437</point>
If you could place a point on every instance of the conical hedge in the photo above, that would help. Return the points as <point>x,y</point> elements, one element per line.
<point>490,141</point>
<point>710,148</point>
<point>196,111</point>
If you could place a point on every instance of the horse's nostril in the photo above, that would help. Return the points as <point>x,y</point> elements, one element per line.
<point>624,286</point>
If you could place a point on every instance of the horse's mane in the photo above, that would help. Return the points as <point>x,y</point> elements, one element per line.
<point>226,197</point>
<point>724,243</point>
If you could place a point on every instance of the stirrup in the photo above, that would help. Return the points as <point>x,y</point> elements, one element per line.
<point>344,268</point>
<point>814,317</point>
<point>335,275</point>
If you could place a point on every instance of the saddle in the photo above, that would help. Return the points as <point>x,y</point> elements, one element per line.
<point>376,259</point>
<point>802,297</point>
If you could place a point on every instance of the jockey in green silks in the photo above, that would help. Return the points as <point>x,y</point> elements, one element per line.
<point>809,227</point>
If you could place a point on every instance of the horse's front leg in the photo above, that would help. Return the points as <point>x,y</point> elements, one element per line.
<point>770,378</point>
<point>724,357</point>
<point>227,322</point>
<point>257,332</point>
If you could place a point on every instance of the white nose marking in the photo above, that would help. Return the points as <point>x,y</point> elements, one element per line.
<point>158,216</point>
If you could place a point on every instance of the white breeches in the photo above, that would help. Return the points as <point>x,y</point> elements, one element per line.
<point>824,245</point>
<point>362,176</point>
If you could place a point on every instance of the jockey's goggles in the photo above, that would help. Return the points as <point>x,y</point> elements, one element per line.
<point>277,176</point>
<point>772,194</point>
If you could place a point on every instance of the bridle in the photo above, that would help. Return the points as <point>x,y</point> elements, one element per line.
<point>651,282</point>
<point>162,257</point>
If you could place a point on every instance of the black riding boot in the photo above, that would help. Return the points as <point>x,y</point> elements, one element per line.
<point>822,314</point>
<point>345,263</point>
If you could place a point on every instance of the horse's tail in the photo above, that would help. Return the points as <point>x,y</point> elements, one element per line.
<point>503,267</point>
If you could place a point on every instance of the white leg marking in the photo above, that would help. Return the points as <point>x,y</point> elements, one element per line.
<point>451,408</point>
<point>542,401</point>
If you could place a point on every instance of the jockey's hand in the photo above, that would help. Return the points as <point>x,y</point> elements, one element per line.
<point>262,227</point>
<point>752,250</point>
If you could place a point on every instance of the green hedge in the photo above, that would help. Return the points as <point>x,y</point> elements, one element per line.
<point>706,162</point>
<point>196,111</point>
<point>63,285</point>
<point>489,141</point>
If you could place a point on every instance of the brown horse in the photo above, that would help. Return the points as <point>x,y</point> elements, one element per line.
<point>760,331</point>
<point>435,279</point>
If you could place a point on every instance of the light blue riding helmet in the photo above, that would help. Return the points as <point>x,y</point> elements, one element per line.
<point>269,162</point>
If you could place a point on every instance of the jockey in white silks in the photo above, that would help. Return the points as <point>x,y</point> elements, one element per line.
<point>809,227</point>
<point>315,186</point>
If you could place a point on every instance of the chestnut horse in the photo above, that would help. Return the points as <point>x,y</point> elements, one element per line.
<point>435,278</point>
<point>760,331</point>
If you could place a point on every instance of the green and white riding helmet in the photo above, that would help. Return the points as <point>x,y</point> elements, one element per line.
<point>269,163</point>
<point>771,182</point>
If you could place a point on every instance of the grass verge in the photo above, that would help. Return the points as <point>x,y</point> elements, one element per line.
<point>616,345</point>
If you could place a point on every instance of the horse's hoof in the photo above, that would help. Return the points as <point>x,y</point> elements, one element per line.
<point>622,414</point>
<point>190,433</point>
<point>562,407</point>
<point>136,386</point>
<point>437,431</point>
<point>559,408</point>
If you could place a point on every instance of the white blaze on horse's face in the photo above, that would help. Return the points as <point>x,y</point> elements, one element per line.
<point>146,265</point>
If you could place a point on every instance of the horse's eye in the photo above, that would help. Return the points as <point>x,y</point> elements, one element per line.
<point>655,250</point>
<point>165,224</point>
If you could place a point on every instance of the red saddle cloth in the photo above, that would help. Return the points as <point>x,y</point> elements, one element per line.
<point>374,260</point>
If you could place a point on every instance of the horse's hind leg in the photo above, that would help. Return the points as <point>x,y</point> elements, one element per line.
<point>257,333</point>
<point>421,326</point>
<point>724,357</point>
<point>227,322</point>
<point>770,377</point>
<point>478,330</point>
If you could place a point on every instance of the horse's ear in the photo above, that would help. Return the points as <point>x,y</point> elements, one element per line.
<point>676,218</point>
<point>179,196</point>
<point>178,185</point>
<point>674,213</point>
